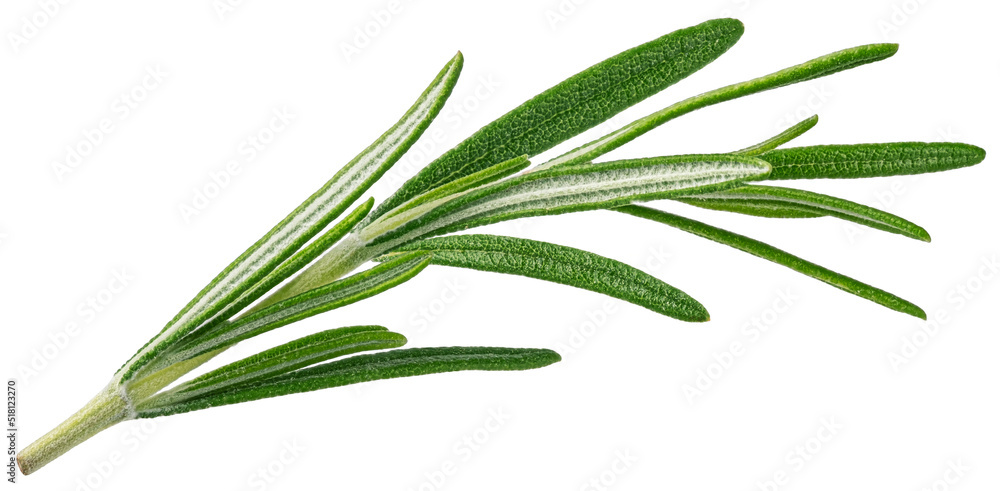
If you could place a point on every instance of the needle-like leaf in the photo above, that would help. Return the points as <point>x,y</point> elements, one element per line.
<point>485,176</point>
<point>819,67</point>
<point>577,104</point>
<point>560,264</point>
<point>778,256</point>
<point>304,256</point>
<point>870,160</point>
<point>295,263</point>
<point>365,368</point>
<point>795,131</point>
<point>334,295</point>
<point>306,221</point>
<point>285,358</point>
<point>768,210</point>
<point>575,188</point>
<point>777,202</point>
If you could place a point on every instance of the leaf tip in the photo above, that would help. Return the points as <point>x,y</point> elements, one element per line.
<point>908,308</point>
<point>964,154</point>
<point>978,154</point>
<point>733,24</point>
<point>698,314</point>
<point>869,53</point>
<point>726,31</point>
<point>548,357</point>
<point>401,339</point>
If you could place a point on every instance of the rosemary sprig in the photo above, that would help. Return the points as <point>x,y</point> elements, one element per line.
<point>307,264</point>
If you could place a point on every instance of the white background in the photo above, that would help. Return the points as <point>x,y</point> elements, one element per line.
<point>620,390</point>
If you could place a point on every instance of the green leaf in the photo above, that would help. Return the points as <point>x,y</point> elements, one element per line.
<point>285,358</point>
<point>306,221</point>
<point>560,264</point>
<point>295,263</point>
<point>334,295</point>
<point>819,67</point>
<point>870,160</point>
<point>289,267</point>
<point>365,368</point>
<point>777,202</point>
<point>577,104</point>
<point>797,130</point>
<point>485,176</point>
<point>778,256</point>
<point>767,210</point>
<point>330,266</point>
<point>575,188</point>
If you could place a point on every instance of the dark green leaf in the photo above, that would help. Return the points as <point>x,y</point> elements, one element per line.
<point>870,160</point>
<point>819,67</point>
<point>560,264</point>
<point>365,368</point>
<point>577,104</point>
<point>776,202</point>
<point>797,130</point>
<point>778,256</point>
<point>285,358</point>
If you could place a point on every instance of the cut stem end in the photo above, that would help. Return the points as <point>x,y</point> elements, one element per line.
<point>103,411</point>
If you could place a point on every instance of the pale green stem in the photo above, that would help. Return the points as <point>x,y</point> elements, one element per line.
<point>108,408</point>
<point>117,401</point>
<point>112,405</point>
<point>345,257</point>
<point>149,385</point>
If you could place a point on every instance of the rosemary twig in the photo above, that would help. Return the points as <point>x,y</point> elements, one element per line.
<point>308,263</point>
